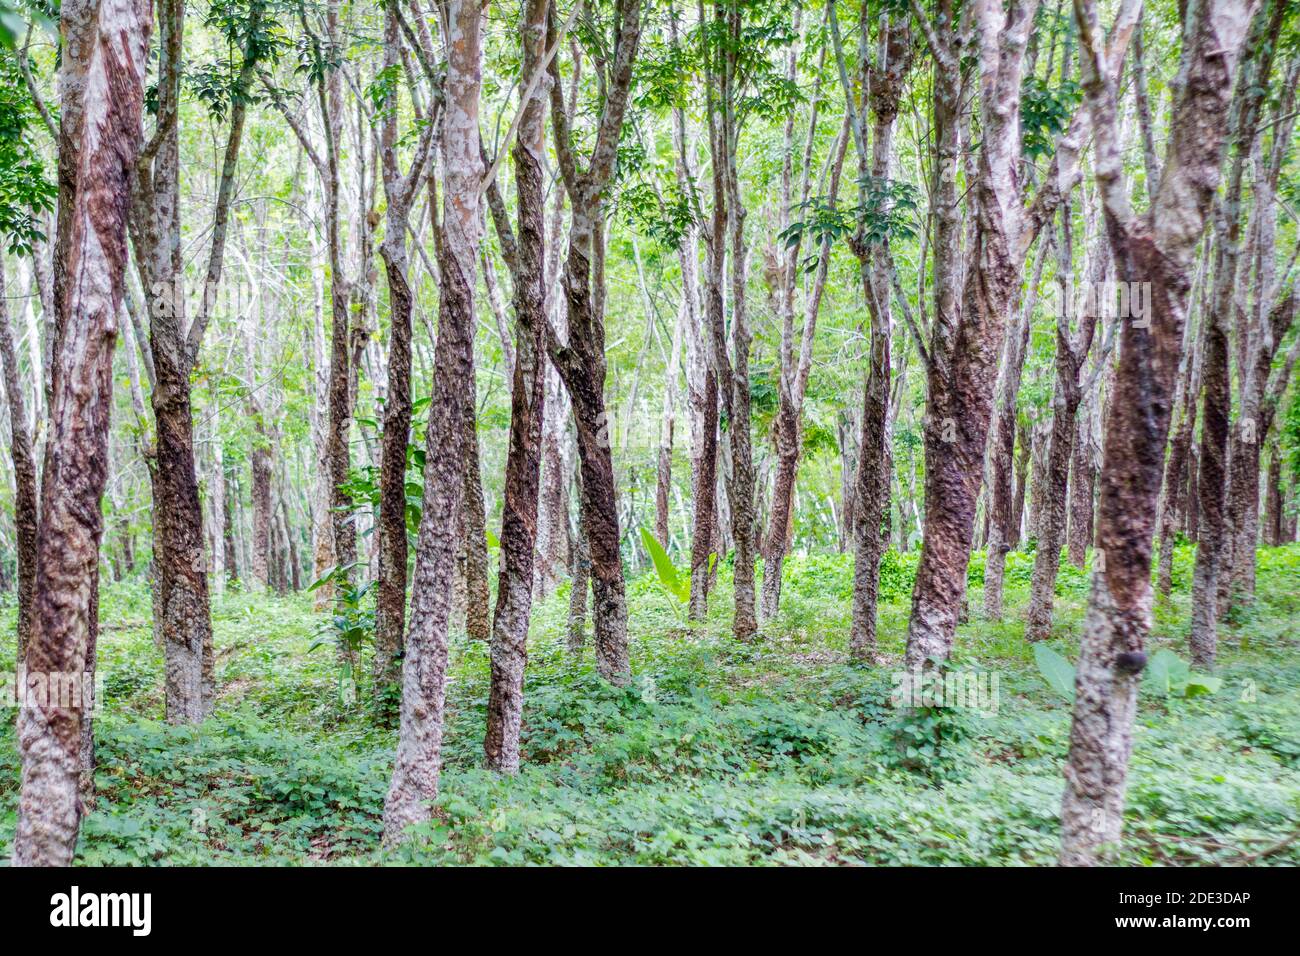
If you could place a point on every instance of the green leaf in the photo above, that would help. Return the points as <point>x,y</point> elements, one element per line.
<point>668,576</point>
<point>1201,685</point>
<point>1056,670</point>
<point>1167,672</point>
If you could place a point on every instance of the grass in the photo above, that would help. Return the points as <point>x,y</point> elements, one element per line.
<point>775,752</point>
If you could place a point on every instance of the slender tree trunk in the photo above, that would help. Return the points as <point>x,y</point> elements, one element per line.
<point>1071,352</point>
<point>664,458</point>
<point>339,391</point>
<point>1214,547</point>
<point>399,190</point>
<point>183,622</point>
<point>581,361</point>
<point>419,750</point>
<point>260,462</point>
<point>1004,524</point>
<point>1082,483</point>
<point>581,585</point>
<point>1020,491</point>
<point>474,532</point>
<point>102,88</point>
<point>25,491</point>
<point>704,482</point>
<point>217,498</point>
<point>1156,248</point>
<point>1273,501</point>
<point>553,557</point>
<point>883,85</point>
<point>523,457</point>
<point>553,508</point>
<point>965,343</point>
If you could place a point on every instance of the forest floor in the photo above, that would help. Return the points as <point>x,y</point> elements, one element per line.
<point>779,751</point>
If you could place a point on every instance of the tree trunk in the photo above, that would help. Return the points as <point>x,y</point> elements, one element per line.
<point>25,491</point>
<point>581,585</point>
<point>1082,482</point>
<point>1159,248</point>
<point>1020,491</point>
<point>399,190</point>
<point>581,361</point>
<point>102,82</point>
<point>474,531</point>
<point>217,500</point>
<point>1211,576</point>
<point>553,507</point>
<point>523,457</point>
<point>664,458</point>
<point>1071,352</point>
<point>704,482</point>
<point>418,761</point>
<point>1003,516</point>
<point>260,462</point>
<point>965,342</point>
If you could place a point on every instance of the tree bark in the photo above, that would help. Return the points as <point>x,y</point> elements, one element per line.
<point>1071,352</point>
<point>419,750</point>
<point>102,87</point>
<point>181,602</point>
<point>1157,247</point>
<point>474,535</point>
<point>25,490</point>
<point>1082,485</point>
<point>962,360</point>
<point>1213,549</point>
<point>1003,515</point>
<point>260,463</point>
<point>581,360</point>
<point>400,190</point>
<point>523,457</point>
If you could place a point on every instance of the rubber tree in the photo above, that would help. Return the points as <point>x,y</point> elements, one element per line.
<point>1156,247</point>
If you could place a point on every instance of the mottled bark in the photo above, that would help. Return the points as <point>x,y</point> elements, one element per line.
<point>581,360</point>
<point>527,407</point>
<point>339,393</point>
<point>1003,516</point>
<point>963,354</point>
<point>1214,545</point>
<point>1020,490</point>
<point>184,623</point>
<point>1263,388</point>
<point>260,466</point>
<point>553,537</point>
<point>1071,352</point>
<point>730,359</point>
<point>418,761</point>
<point>782,268</point>
<point>217,506</point>
<point>1082,485</point>
<point>1158,248</point>
<point>24,462</point>
<point>474,535</point>
<point>577,624</point>
<point>102,89</point>
<point>553,506</point>
<point>1273,525</point>
<point>399,190</point>
<point>704,481</point>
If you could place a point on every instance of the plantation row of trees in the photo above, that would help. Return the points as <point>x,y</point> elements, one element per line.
<point>376,298</point>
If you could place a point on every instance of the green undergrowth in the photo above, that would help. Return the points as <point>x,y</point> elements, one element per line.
<point>719,752</point>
